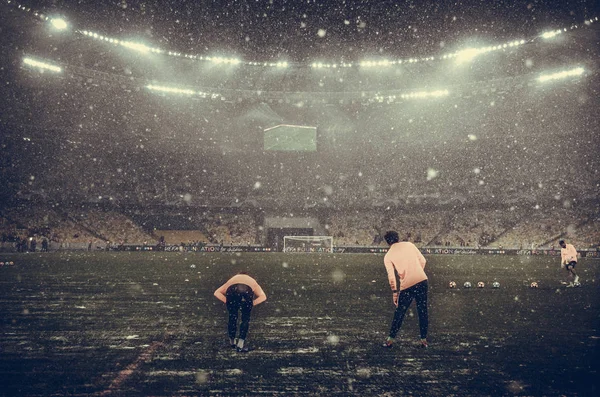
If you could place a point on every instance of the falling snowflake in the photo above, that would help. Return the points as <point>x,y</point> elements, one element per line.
<point>432,173</point>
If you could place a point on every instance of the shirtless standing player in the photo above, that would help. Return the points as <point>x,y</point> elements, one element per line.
<point>240,293</point>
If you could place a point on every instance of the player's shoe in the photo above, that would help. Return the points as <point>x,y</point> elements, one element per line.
<point>423,344</point>
<point>388,344</point>
<point>242,349</point>
<point>571,285</point>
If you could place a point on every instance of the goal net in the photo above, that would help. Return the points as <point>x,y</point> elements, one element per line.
<point>307,244</point>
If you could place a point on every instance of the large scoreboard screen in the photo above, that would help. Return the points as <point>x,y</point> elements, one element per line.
<point>286,137</point>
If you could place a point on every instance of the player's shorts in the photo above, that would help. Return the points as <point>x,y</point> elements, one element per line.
<point>570,265</point>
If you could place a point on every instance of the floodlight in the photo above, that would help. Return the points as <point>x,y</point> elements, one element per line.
<point>170,89</point>
<point>426,94</point>
<point>135,46</point>
<point>219,60</point>
<point>466,55</point>
<point>561,75</point>
<point>551,34</point>
<point>42,65</point>
<point>59,23</point>
<point>369,64</point>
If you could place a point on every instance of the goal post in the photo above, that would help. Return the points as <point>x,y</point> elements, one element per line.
<point>307,244</point>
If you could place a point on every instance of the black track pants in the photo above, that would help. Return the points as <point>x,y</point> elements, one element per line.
<point>418,292</point>
<point>239,299</point>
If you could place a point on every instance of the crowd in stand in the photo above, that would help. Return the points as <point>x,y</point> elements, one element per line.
<point>38,227</point>
<point>475,228</point>
<point>91,228</point>
<point>231,229</point>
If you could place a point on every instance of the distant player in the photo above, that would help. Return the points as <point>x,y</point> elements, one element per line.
<point>568,260</point>
<point>240,293</point>
<point>405,260</point>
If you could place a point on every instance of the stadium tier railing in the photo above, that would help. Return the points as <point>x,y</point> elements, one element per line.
<point>54,247</point>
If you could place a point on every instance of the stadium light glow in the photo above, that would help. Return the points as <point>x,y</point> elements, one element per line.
<point>184,91</point>
<point>561,75</point>
<point>219,60</point>
<point>134,46</point>
<point>170,90</point>
<point>59,23</point>
<point>370,64</point>
<point>321,65</point>
<point>466,55</point>
<point>551,34</point>
<point>42,65</point>
<point>425,94</point>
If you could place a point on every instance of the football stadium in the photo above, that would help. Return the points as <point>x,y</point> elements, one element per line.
<point>152,151</point>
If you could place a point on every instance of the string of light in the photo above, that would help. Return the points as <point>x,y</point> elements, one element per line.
<point>389,96</point>
<point>461,56</point>
<point>41,65</point>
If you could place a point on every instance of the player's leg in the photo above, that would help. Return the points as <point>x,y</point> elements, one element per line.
<point>233,308</point>
<point>405,298</point>
<point>421,301</point>
<point>246,309</point>
<point>567,279</point>
<point>572,272</point>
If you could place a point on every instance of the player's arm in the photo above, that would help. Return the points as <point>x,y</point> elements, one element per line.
<point>259,295</point>
<point>421,258</point>
<point>391,273</point>
<point>220,293</point>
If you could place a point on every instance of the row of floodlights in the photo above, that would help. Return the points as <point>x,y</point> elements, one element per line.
<point>184,91</point>
<point>145,49</point>
<point>41,65</point>
<point>418,94</point>
<point>460,56</point>
<point>552,33</point>
<point>561,75</point>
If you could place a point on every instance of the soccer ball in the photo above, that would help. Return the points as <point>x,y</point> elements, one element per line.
<point>467,285</point>
<point>480,284</point>
<point>495,284</point>
<point>452,284</point>
<point>533,285</point>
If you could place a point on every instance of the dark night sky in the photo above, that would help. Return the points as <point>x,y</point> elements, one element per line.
<point>266,30</point>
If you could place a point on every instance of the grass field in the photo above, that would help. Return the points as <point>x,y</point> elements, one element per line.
<point>147,324</point>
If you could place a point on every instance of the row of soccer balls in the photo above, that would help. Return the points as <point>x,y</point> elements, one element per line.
<point>7,263</point>
<point>481,284</point>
